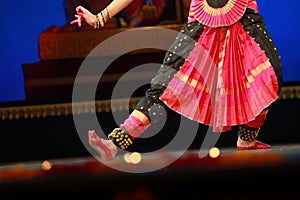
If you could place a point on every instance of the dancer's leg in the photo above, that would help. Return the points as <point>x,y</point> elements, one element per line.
<point>248,133</point>
<point>122,137</point>
<point>150,109</point>
<point>134,126</point>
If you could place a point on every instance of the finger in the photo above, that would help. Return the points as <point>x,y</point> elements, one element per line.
<point>78,8</point>
<point>79,21</point>
<point>80,14</point>
<point>74,21</point>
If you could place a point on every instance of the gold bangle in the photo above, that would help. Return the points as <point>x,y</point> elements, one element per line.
<point>97,22</point>
<point>108,14</point>
<point>100,20</point>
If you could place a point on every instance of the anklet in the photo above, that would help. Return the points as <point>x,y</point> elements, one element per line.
<point>121,138</point>
<point>247,133</point>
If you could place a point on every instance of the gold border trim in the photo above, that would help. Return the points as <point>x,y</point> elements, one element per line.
<point>289,92</point>
<point>65,109</point>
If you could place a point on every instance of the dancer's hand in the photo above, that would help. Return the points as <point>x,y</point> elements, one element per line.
<point>82,14</point>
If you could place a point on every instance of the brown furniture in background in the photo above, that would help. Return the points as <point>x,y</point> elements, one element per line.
<point>63,49</point>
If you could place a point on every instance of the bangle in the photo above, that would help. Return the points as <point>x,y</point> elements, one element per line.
<point>108,14</point>
<point>97,22</point>
<point>103,17</point>
<point>101,22</point>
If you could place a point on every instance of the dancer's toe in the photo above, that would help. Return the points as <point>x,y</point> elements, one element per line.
<point>106,148</point>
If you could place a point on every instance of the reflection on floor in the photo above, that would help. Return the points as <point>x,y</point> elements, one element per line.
<point>210,174</point>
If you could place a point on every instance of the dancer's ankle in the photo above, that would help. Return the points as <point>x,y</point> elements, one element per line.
<point>244,143</point>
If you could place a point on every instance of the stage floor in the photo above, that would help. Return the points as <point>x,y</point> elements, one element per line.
<point>231,174</point>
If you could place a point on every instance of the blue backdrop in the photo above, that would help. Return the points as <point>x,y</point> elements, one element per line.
<point>22,21</point>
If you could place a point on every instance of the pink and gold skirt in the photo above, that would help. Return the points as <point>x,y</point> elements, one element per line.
<point>226,80</point>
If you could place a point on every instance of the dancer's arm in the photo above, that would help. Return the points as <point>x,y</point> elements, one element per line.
<point>83,14</point>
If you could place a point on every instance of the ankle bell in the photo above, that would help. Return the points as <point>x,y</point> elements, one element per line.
<point>121,138</point>
<point>247,133</point>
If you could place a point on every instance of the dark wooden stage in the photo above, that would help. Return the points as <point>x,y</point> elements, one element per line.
<point>42,157</point>
<point>252,174</point>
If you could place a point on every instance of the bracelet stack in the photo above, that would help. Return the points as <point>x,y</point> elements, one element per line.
<point>97,22</point>
<point>100,19</point>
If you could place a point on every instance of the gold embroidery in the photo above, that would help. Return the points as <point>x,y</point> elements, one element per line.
<point>192,82</point>
<point>255,72</point>
<point>225,91</point>
<point>217,11</point>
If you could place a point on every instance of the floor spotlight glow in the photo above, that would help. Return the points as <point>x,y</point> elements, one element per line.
<point>127,157</point>
<point>135,158</point>
<point>214,152</point>
<point>46,165</point>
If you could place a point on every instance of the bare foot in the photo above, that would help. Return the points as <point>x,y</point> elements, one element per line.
<point>106,148</point>
<point>255,144</point>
